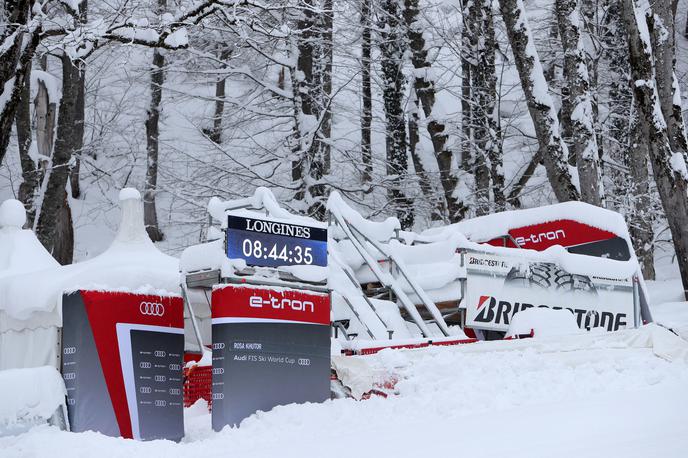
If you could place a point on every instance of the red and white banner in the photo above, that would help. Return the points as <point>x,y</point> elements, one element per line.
<point>271,346</point>
<point>497,287</point>
<point>239,303</point>
<point>122,363</point>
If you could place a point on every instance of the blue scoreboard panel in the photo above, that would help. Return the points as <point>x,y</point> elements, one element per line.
<point>267,243</point>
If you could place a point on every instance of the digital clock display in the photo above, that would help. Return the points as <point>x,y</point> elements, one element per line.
<point>268,243</point>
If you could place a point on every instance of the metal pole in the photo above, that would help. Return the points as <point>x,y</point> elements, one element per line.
<point>636,302</point>
<point>192,316</point>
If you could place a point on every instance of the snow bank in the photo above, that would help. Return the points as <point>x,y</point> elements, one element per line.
<point>29,395</point>
<point>602,397</point>
<point>12,214</point>
<point>543,322</point>
<point>672,315</point>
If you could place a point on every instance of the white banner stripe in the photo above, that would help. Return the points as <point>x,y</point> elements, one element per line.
<point>226,320</point>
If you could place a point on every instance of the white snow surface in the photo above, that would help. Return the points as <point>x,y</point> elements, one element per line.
<point>30,394</point>
<point>12,214</point>
<point>619,394</point>
<point>543,322</point>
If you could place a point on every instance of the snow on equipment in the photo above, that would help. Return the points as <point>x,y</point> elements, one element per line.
<point>35,396</point>
<point>480,272</point>
<point>262,293</point>
<point>123,374</point>
<point>28,335</point>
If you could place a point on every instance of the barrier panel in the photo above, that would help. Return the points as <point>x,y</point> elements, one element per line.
<point>122,363</point>
<point>271,346</point>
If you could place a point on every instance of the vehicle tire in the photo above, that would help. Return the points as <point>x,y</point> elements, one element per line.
<point>549,276</point>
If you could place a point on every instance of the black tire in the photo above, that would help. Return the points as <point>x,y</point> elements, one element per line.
<point>549,276</point>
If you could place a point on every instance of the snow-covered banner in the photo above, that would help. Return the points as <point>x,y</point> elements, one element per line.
<point>271,346</point>
<point>497,287</point>
<point>122,364</point>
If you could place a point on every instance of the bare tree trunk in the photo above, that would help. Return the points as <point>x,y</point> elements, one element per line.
<point>668,167</point>
<point>424,86</point>
<point>540,104</point>
<point>150,213</point>
<point>15,63</point>
<point>80,115</point>
<point>27,189</point>
<point>327,56</point>
<point>55,215</point>
<point>488,175</point>
<point>366,92</point>
<point>466,115</point>
<point>640,218</point>
<point>215,133</point>
<point>480,128</point>
<point>582,117</point>
<point>661,25</point>
<point>486,60</point>
<point>423,178</point>
<point>308,169</point>
<point>392,48</point>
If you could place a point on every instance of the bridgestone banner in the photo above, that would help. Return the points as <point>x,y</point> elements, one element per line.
<point>122,364</point>
<point>271,346</point>
<point>497,287</point>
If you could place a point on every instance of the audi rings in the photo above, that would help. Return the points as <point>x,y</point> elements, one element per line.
<point>152,309</point>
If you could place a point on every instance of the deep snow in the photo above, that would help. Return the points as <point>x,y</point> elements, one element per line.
<point>589,395</point>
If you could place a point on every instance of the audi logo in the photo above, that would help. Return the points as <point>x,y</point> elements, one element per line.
<point>69,375</point>
<point>160,354</point>
<point>152,309</point>
<point>175,391</point>
<point>160,378</point>
<point>160,403</point>
<point>69,350</point>
<point>175,367</point>
<point>218,396</point>
<point>145,365</point>
<point>145,390</point>
<point>218,370</point>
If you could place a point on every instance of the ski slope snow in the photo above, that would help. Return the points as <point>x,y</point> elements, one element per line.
<point>613,395</point>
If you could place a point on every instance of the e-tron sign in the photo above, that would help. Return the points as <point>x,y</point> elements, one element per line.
<point>270,347</point>
<point>122,359</point>
<point>272,243</point>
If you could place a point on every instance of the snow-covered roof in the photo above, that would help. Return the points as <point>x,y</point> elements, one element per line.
<point>131,263</point>
<point>20,250</point>
<point>487,227</point>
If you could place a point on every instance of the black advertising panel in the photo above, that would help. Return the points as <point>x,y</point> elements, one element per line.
<point>270,347</point>
<point>271,243</point>
<point>122,364</point>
